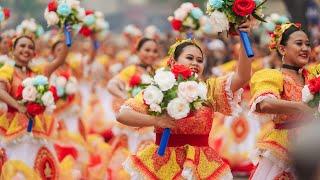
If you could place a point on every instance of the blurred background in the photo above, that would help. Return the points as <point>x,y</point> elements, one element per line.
<point>145,12</point>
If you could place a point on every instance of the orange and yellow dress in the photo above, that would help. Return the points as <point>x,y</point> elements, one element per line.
<point>33,155</point>
<point>188,154</point>
<point>274,143</point>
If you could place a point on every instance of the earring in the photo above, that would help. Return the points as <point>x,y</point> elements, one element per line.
<point>282,59</point>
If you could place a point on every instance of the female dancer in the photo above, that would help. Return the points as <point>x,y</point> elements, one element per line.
<point>188,154</point>
<point>277,97</point>
<point>19,150</point>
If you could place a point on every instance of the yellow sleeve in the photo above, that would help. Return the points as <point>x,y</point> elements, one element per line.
<point>137,104</point>
<point>127,73</point>
<point>39,69</point>
<point>6,73</point>
<point>220,94</point>
<point>266,82</point>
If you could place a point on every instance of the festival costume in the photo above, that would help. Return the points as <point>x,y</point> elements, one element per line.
<point>19,148</point>
<point>188,154</point>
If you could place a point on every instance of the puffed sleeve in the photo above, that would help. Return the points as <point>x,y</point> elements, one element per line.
<point>127,73</point>
<point>267,83</point>
<point>221,96</point>
<point>6,73</point>
<point>135,104</point>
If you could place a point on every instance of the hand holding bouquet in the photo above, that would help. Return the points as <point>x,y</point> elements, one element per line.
<point>227,15</point>
<point>64,14</point>
<point>176,92</point>
<point>38,97</point>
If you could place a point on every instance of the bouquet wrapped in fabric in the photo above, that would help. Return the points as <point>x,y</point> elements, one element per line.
<point>226,15</point>
<point>176,92</point>
<point>38,97</point>
<point>94,23</point>
<point>65,14</point>
<point>311,91</point>
<point>66,85</point>
<point>186,18</point>
<point>30,26</point>
<point>4,14</point>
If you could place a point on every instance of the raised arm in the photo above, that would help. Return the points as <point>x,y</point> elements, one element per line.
<point>243,71</point>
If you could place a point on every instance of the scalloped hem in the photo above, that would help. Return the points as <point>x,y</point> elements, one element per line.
<point>133,172</point>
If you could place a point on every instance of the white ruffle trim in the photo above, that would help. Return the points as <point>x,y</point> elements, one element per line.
<point>261,117</point>
<point>134,173</point>
<point>233,98</point>
<point>28,137</point>
<point>257,154</point>
<point>188,174</point>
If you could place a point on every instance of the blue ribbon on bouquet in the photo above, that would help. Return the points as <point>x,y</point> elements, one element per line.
<point>190,35</point>
<point>96,44</point>
<point>67,34</point>
<point>246,44</point>
<point>164,141</point>
<point>30,125</point>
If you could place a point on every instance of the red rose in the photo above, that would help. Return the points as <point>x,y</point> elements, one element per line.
<point>88,12</point>
<point>6,12</point>
<point>18,94</point>
<point>70,98</point>
<point>35,109</point>
<point>53,90</point>
<point>85,31</point>
<point>314,85</point>
<point>243,7</point>
<point>176,24</point>
<point>135,80</point>
<point>182,70</point>
<point>52,6</point>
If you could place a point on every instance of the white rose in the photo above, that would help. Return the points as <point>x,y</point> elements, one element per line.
<point>165,80</point>
<point>155,108</point>
<point>180,14</point>
<point>47,99</point>
<point>99,14</point>
<point>32,26</point>
<point>51,18</point>
<point>152,95</point>
<point>81,13</point>
<point>61,81</point>
<point>178,108</point>
<point>73,3</point>
<point>71,88</point>
<point>73,80</point>
<point>187,6</point>
<point>219,22</point>
<point>29,93</point>
<point>306,94</point>
<point>101,24</point>
<point>203,90</point>
<point>188,91</point>
<point>27,82</point>
<point>146,79</point>
<point>204,20</point>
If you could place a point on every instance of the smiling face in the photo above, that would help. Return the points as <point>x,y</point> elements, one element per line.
<point>297,51</point>
<point>192,57</point>
<point>24,50</point>
<point>148,53</point>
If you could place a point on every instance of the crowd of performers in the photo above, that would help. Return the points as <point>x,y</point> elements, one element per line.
<point>101,128</point>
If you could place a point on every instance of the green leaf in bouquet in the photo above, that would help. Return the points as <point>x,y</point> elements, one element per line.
<point>259,18</point>
<point>260,5</point>
<point>315,101</point>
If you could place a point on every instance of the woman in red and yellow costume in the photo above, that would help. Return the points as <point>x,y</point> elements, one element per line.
<point>188,154</point>
<point>147,51</point>
<point>19,149</point>
<point>276,97</point>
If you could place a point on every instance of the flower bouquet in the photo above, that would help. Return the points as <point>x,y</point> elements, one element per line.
<point>30,26</point>
<point>94,22</point>
<point>273,20</point>
<point>138,83</point>
<point>64,13</point>
<point>4,14</point>
<point>38,97</point>
<point>65,84</point>
<point>186,18</point>
<point>226,15</point>
<point>176,92</point>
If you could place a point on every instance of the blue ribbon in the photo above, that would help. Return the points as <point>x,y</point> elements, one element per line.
<point>30,125</point>
<point>246,44</point>
<point>189,35</point>
<point>164,142</point>
<point>67,34</point>
<point>96,44</point>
